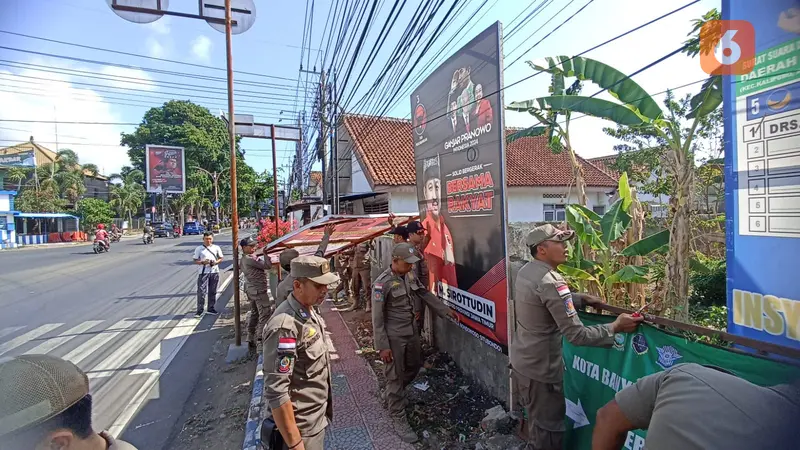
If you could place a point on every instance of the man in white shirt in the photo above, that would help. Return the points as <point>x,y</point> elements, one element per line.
<point>207,256</point>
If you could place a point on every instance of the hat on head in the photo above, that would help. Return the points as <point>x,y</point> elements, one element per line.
<point>287,256</point>
<point>400,230</point>
<point>405,251</point>
<point>314,268</point>
<point>414,227</point>
<point>547,232</point>
<point>248,242</point>
<point>36,388</point>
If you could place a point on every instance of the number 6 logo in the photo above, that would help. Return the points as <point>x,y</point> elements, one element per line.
<point>727,47</point>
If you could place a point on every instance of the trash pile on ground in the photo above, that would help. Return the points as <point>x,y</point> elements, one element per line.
<point>446,408</point>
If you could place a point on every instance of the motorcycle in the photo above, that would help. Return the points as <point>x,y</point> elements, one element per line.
<point>147,238</point>
<point>176,232</point>
<point>115,237</point>
<point>100,246</point>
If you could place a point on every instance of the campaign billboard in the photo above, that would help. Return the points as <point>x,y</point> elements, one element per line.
<point>166,169</point>
<point>762,169</point>
<point>458,135</point>
<point>18,159</point>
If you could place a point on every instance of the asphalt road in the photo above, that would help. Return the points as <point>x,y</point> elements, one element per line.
<point>121,316</point>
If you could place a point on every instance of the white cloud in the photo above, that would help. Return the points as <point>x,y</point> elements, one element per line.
<point>201,48</point>
<point>161,26</point>
<point>62,101</point>
<point>128,78</point>
<point>154,48</point>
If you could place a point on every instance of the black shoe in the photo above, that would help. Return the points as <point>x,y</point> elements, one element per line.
<point>213,312</point>
<point>198,314</point>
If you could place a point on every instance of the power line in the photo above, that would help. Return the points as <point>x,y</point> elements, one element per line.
<point>70,122</point>
<point>119,52</point>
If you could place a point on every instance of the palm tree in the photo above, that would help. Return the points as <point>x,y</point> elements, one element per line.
<point>128,196</point>
<point>18,175</point>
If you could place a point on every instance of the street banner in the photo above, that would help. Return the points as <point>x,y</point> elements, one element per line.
<point>761,106</point>
<point>594,375</point>
<point>166,169</point>
<point>349,232</point>
<point>458,133</point>
<point>18,159</point>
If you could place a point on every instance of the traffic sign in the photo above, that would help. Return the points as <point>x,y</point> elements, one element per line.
<point>216,203</point>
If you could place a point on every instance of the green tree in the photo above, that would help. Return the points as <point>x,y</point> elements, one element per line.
<point>93,211</point>
<point>128,196</point>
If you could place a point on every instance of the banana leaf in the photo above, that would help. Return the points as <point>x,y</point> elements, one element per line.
<point>595,107</point>
<point>709,98</point>
<point>584,225</point>
<point>591,215</point>
<point>647,245</point>
<point>577,274</point>
<point>625,191</point>
<point>536,130</point>
<point>617,83</point>
<point>629,274</point>
<point>614,223</point>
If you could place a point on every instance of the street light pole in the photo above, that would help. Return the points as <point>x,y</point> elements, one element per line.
<point>215,178</point>
<point>275,183</point>
<point>237,326</point>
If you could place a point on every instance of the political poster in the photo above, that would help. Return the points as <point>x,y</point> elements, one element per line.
<point>760,48</point>
<point>594,375</point>
<point>17,159</point>
<point>166,169</point>
<point>457,115</point>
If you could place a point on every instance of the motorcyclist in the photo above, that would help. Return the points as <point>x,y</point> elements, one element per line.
<point>176,230</point>
<point>148,231</point>
<point>115,230</point>
<point>102,235</point>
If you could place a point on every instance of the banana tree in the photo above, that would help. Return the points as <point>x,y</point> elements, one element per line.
<point>635,108</point>
<point>558,137</point>
<point>604,235</point>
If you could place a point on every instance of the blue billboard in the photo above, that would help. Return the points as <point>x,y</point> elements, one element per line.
<point>762,176</point>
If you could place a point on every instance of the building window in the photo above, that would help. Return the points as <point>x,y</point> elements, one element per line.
<point>377,207</point>
<point>599,209</point>
<point>554,213</point>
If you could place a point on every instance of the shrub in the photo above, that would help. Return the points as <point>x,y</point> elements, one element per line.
<point>709,287</point>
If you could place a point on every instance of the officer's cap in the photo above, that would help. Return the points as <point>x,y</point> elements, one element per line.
<point>287,256</point>
<point>314,268</point>
<point>248,242</point>
<point>36,388</point>
<point>547,232</point>
<point>405,251</point>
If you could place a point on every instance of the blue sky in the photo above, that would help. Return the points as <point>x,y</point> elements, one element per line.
<point>272,48</point>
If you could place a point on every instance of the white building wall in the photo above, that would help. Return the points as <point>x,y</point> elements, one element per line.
<point>403,203</point>
<point>5,202</point>
<point>359,179</point>
<point>527,204</point>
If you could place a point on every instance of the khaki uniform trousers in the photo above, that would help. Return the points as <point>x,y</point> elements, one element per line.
<point>260,310</point>
<point>344,282</point>
<point>406,362</point>
<point>545,408</point>
<point>361,279</point>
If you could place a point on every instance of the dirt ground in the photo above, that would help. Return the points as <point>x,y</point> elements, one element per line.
<point>450,409</point>
<point>216,412</point>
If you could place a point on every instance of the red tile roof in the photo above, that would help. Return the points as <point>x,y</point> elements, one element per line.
<point>385,149</point>
<point>604,163</point>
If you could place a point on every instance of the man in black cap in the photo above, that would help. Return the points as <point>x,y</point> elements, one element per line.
<point>416,236</point>
<point>258,292</point>
<point>46,405</point>
<point>399,234</point>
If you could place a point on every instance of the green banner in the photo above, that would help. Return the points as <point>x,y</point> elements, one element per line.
<point>777,65</point>
<point>593,375</point>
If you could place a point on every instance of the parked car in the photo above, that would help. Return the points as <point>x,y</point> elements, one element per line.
<point>162,229</point>
<point>192,228</point>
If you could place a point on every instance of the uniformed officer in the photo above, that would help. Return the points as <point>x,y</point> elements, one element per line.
<point>343,269</point>
<point>361,275</point>
<point>285,259</point>
<point>297,367</point>
<point>416,235</point>
<point>397,336</point>
<point>690,406</point>
<point>546,311</point>
<point>257,289</point>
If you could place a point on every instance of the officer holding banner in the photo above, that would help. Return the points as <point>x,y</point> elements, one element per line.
<point>546,312</point>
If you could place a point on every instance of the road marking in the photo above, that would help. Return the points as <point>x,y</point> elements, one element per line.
<point>132,345</point>
<point>122,421</point>
<point>9,330</point>
<point>90,346</point>
<point>52,344</point>
<point>27,337</point>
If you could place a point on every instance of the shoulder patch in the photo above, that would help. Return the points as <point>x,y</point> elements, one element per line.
<point>566,297</point>
<point>377,292</point>
<point>284,364</point>
<point>287,344</point>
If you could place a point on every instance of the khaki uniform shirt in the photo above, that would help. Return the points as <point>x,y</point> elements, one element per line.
<point>421,268</point>
<point>362,256</point>
<point>297,366</point>
<point>545,311</point>
<point>694,407</point>
<point>285,286</point>
<point>395,301</point>
<point>255,273</point>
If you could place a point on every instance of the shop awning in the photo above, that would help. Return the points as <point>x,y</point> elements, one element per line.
<point>350,231</point>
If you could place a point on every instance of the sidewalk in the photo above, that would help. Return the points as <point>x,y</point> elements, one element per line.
<point>360,422</point>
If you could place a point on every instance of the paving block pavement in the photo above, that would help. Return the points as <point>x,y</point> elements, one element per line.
<point>360,422</point>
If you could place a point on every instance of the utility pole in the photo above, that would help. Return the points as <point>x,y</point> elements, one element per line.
<point>275,185</point>
<point>323,100</point>
<point>215,176</point>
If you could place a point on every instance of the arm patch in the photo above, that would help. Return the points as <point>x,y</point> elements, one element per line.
<point>377,292</point>
<point>566,297</point>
